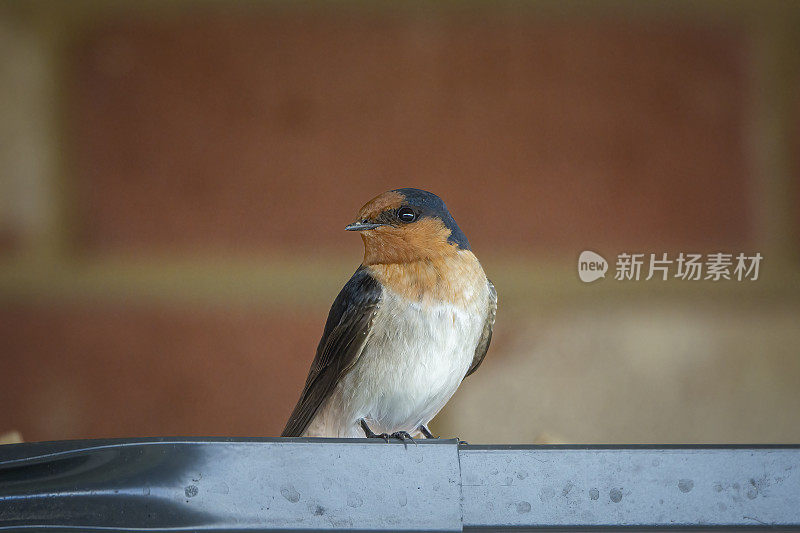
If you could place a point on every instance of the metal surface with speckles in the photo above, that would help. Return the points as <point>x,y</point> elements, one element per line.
<point>226,484</point>
<point>179,484</point>
<point>631,487</point>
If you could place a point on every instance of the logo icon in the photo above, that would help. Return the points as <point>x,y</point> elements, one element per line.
<point>591,266</point>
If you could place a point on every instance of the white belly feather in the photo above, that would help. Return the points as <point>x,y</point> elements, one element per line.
<point>414,359</point>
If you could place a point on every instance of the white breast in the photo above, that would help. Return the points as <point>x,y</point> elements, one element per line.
<point>413,362</point>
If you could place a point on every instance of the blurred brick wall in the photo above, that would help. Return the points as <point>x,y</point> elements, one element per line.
<point>111,370</point>
<point>271,129</point>
<point>263,131</point>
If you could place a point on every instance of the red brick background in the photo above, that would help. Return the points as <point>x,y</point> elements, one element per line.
<point>270,129</point>
<point>117,371</point>
<point>211,136</point>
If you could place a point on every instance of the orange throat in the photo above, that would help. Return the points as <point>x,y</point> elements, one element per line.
<point>452,278</point>
<point>424,240</point>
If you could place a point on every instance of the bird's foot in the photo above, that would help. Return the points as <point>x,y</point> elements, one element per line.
<point>428,435</point>
<point>426,432</point>
<point>403,436</point>
<point>371,434</point>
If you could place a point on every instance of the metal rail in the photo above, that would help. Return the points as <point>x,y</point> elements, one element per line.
<point>189,484</point>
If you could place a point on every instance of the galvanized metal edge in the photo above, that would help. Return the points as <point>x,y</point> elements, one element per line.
<point>210,484</point>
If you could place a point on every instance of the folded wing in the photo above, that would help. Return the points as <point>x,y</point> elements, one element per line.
<point>346,331</point>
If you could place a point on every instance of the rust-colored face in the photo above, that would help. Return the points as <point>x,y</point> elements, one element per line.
<point>404,226</point>
<point>383,202</point>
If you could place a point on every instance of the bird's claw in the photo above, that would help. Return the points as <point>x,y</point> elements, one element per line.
<point>400,435</point>
<point>426,432</point>
<point>372,435</point>
<point>404,437</point>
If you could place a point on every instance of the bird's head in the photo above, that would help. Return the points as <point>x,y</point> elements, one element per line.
<point>406,225</point>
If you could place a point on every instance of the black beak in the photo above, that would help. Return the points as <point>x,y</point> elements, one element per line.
<point>361,226</point>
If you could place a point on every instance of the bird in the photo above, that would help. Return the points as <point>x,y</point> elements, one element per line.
<point>413,321</point>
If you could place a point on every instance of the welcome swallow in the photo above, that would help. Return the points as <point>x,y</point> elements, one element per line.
<point>414,320</point>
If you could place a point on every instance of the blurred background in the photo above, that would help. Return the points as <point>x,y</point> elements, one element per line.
<point>175,180</point>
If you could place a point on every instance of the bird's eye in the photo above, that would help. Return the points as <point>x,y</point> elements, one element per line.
<point>406,214</point>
